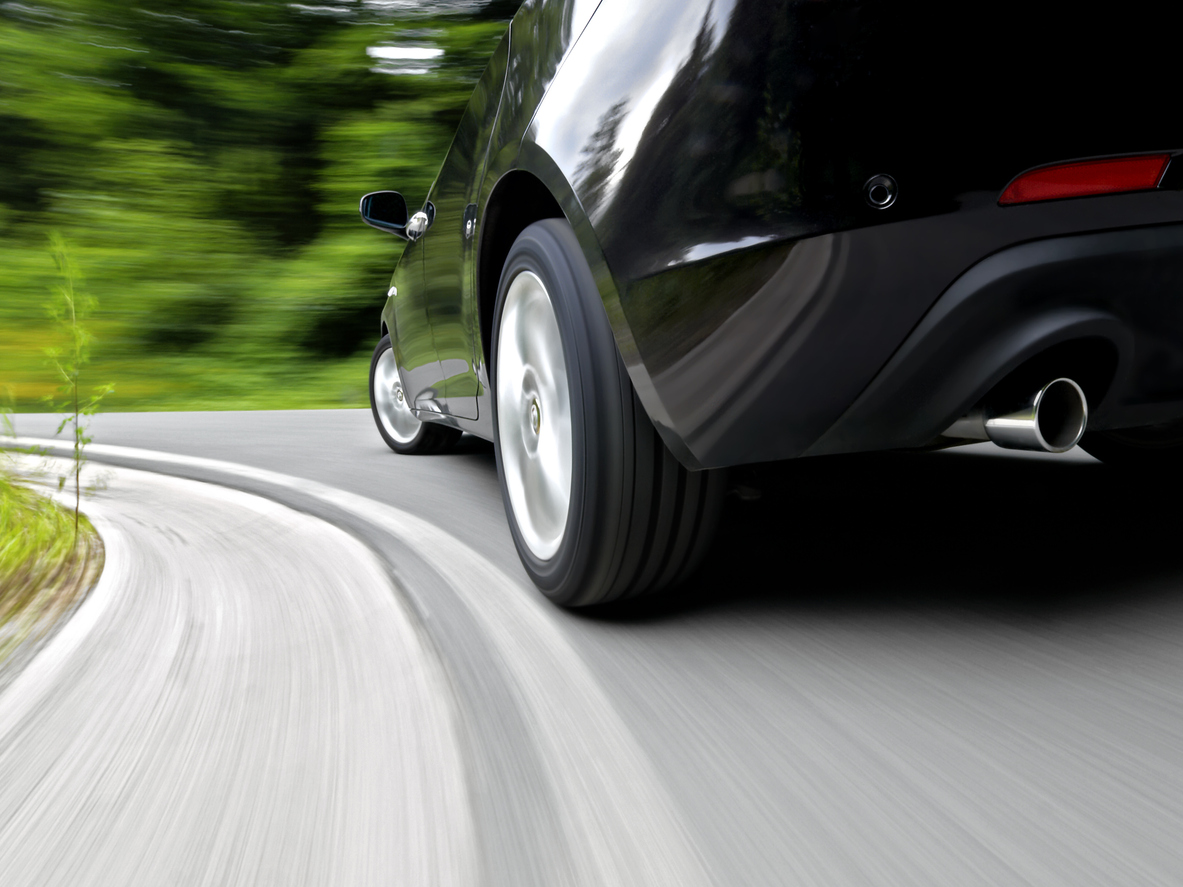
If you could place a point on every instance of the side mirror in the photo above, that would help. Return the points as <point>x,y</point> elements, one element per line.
<point>386,211</point>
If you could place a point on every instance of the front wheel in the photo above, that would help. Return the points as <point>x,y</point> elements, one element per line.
<point>400,428</point>
<point>598,507</point>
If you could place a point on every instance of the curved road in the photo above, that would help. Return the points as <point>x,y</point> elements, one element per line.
<point>200,719</point>
<point>954,668</point>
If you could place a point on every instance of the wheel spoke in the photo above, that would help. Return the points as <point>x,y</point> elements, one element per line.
<point>534,414</point>
<point>395,412</point>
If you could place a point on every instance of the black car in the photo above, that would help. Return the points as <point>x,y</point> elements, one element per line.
<point>680,235</point>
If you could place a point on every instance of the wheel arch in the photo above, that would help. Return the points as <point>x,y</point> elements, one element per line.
<point>546,193</point>
<point>518,200</point>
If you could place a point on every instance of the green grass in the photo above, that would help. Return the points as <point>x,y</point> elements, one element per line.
<point>43,568</point>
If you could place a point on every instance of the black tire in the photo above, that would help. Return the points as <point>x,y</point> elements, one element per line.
<point>1154,448</point>
<point>398,426</point>
<point>637,520</point>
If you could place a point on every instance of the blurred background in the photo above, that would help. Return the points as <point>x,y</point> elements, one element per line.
<point>203,160</point>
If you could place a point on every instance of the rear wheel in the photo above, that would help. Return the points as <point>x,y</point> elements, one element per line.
<point>1157,448</point>
<point>400,428</point>
<point>598,507</point>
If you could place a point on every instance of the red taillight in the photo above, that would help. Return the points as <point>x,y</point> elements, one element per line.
<point>1087,178</point>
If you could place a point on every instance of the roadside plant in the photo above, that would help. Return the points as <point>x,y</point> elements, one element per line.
<point>69,308</point>
<point>44,570</point>
<point>6,414</point>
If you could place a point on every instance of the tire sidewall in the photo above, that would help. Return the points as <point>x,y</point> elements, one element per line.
<point>549,250</point>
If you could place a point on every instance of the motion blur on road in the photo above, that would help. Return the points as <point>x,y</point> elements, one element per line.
<point>961,667</point>
<point>312,661</point>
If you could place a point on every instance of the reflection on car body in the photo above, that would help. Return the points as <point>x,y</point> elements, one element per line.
<point>762,230</point>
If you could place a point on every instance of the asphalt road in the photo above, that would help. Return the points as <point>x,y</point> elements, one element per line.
<point>200,719</point>
<point>953,668</point>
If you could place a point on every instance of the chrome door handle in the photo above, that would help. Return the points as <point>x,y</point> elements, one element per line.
<point>417,227</point>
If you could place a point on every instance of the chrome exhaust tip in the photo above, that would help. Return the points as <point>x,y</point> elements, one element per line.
<point>1051,421</point>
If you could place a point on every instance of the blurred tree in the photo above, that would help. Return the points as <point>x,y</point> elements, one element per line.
<point>205,157</point>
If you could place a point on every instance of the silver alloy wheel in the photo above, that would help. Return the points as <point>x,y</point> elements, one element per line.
<point>534,414</point>
<point>398,420</point>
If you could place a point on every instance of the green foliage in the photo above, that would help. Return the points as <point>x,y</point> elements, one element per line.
<point>35,537</point>
<point>43,560</point>
<point>69,309</point>
<point>204,160</point>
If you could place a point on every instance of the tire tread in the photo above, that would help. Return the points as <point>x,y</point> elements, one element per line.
<point>644,520</point>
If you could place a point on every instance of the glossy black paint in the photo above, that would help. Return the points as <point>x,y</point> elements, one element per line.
<point>1103,308</point>
<point>713,158</point>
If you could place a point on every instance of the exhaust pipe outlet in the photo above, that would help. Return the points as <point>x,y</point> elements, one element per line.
<point>1051,421</point>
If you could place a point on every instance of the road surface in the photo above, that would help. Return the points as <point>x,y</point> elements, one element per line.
<point>951,668</point>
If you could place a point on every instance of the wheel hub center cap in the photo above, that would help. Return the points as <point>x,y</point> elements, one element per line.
<point>535,416</point>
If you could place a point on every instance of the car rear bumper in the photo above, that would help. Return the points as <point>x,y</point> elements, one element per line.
<point>1106,308</point>
<point>880,338</point>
